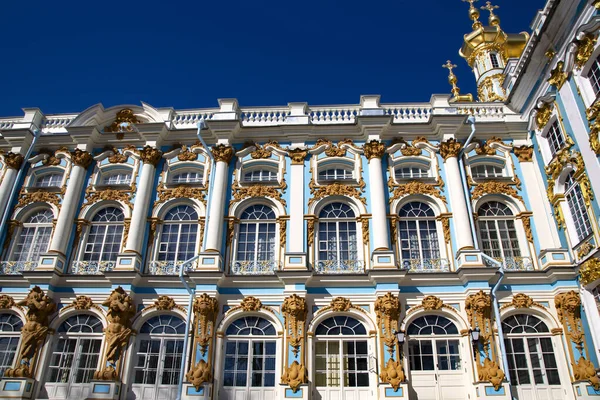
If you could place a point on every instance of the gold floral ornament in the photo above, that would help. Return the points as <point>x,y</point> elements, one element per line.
<point>150,155</point>
<point>585,49</point>
<point>186,154</point>
<point>222,153</point>
<point>450,148</point>
<point>39,196</point>
<point>374,149</point>
<point>205,310</point>
<point>543,114</point>
<point>120,311</point>
<point>81,158</point>
<point>589,271</point>
<point>33,334</point>
<point>594,123</point>
<point>297,155</point>
<point>485,148</point>
<point>123,123</point>
<point>568,306</point>
<point>6,302</point>
<point>524,153</point>
<point>416,187</point>
<point>260,152</point>
<point>294,376</point>
<point>51,159</point>
<point>109,194</point>
<point>13,160</point>
<point>494,187</point>
<point>408,149</point>
<point>256,190</point>
<point>117,157</point>
<point>335,189</point>
<point>180,192</point>
<point>557,76</point>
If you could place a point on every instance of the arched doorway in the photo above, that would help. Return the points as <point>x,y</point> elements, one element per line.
<point>157,362</point>
<point>250,360</point>
<point>434,357</point>
<point>534,372</point>
<point>342,359</point>
<point>75,357</point>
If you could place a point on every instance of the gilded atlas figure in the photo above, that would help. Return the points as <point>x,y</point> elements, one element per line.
<point>33,333</point>
<point>120,311</point>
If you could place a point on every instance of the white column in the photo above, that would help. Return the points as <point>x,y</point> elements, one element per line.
<point>150,157</point>
<point>297,240</point>
<point>593,316</point>
<point>223,155</point>
<point>80,161</point>
<point>460,215</point>
<point>374,151</point>
<point>13,163</point>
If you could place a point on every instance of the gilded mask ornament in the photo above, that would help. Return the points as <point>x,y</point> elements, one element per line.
<point>251,303</point>
<point>82,303</point>
<point>34,331</point>
<point>589,271</point>
<point>294,312</point>
<point>6,302</point>
<point>387,309</point>
<point>450,148</point>
<point>164,303</point>
<point>431,302</point>
<point>374,149</point>
<point>521,300</point>
<point>222,153</point>
<point>340,304</point>
<point>13,160</point>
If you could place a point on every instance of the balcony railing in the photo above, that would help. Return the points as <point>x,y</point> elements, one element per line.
<point>426,265</point>
<point>513,263</point>
<point>339,267</point>
<point>16,267</point>
<point>169,267</point>
<point>91,267</point>
<point>267,267</point>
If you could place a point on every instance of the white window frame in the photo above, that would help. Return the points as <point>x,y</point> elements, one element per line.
<point>337,221</point>
<point>179,223</point>
<point>14,339</point>
<point>419,221</point>
<point>572,226</point>
<point>106,224</point>
<point>36,226</point>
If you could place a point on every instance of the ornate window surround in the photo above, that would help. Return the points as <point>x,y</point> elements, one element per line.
<point>255,157</point>
<point>493,152</point>
<point>419,153</point>
<point>327,155</point>
<point>183,159</point>
<point>580,57</point>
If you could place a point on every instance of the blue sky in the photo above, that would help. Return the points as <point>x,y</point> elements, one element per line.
<point>68,55</point>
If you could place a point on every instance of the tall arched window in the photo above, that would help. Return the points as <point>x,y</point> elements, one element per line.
<point>178,240</point>
<point>498,234</point>
<point>419,244</point>
<point>105,236</point>
<point>577,208</point>
<point>10,332</point>
<point>256,241</point>
<point>33,239</point>
<point>75,357</point>
<point>337,239</point>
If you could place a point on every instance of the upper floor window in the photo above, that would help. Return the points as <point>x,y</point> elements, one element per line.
<point>497,232</point>
<point>337,238</point>
<point>494,60</point>
<point>118,178</point>
<point>336,174</point>
<point>188,177</point>
<point>49,180</point>
<point>486,171</point>
<point>419,245</point>
<point>105,235</point>
<point>179,236</point>
<point>594,75</point>
<point>260,175</point>
<point>34,237</point>
<point>577,208</point>
<point>555,137</point>
<point>411,172</point>
<point>257,232</point>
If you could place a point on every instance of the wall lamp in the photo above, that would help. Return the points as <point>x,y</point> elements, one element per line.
<point>475,334</point>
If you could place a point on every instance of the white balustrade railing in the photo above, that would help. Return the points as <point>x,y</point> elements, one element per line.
<point>333,114</point>
<point>91,267</point>
<point>7,123</point>
<point>408,113</point>
<point>339,267</point>
<point>481,111</point>
<point>189,119</point>
<point>264,116</point>
<point>57,122</point>
<point>169,267</point>
<point>512,263</point>
<point>426,265</point>
<point>16,267</point>
<point>266,267</point>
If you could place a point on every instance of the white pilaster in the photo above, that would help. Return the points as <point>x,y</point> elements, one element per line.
<point>460,215</point>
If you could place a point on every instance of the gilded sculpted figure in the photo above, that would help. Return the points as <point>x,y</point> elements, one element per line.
<point>33,333</point>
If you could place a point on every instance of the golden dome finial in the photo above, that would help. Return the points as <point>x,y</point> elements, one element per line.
<point>452,80</point>
<point>494,20</point>
<point>473,13</point>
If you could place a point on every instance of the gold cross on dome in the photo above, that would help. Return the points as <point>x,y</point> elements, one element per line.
<point>449,64</point>
<point>488,6</point>
<point>470,2</point>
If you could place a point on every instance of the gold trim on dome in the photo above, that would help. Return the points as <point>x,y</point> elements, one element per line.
<point>524,153</point>
<point>416,187</point>
<point>39,196</point>
<point>557,76</point>
<point>13,160</point>
<point>374,149</point>
<point>494,187</point>
<point>335,189</point>
<point>450,148</point>
<point>589,271</point>
<point>585,49</point>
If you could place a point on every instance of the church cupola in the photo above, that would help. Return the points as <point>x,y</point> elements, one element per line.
<point>487,50</point>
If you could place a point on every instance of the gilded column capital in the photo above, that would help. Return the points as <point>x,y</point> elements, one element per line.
<point>298,155</point>
<point>450,148</point>
<point>524,153</point>
<point>81,158</point>
<point>222,153</point>
<point>150,155</point>
<point>589,271</point>
<point>374,149</point>
<point>13,160</point>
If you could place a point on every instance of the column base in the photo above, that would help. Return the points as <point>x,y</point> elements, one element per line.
<point>295,262</point>
<point>585,391</point>
<point>52,261</point>
<point>387,391</point>
<point>485,390</point>
<point>303,392</point>
<point>469,257</point>
<point>129,261</point>
<point>104,390</point>
<point>383,259</point>
<point>16,388</point>
<point>210,261</point>
<point>190,392</point>
<point>554,257</point>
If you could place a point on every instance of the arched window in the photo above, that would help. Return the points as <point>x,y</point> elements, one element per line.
<point>75,355</point>
<point>179,236</point>
<point>531,355</point>
<point>34,237</point>
<point>10,332</point>
<point>105,236</point>
<point>337,238</point>
<point>250,359</point>
<point>159,349</point>
<point>49,180</point>
<point>419,244</point>
<point>577,208</point>
<point>341,325</point>
<point>432,325</point>
<point>260,175</point>
<point>433,346</point>
<point>256,241</point>
<point>498,234</point>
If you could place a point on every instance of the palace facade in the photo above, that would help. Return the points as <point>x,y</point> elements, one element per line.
<point>446,250</point>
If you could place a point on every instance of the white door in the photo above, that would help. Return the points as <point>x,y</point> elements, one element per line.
<point>534,372</point>
<point>434,357</point>
<point>157,364</point>
<point>249,360</point>
<point>342,360</point>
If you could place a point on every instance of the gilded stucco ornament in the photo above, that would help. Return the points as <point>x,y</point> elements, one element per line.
<point>340,304</point>
<point>543,114</point>
<point>180,192</point>
<point>117,157</point>
<point>282,231</point>
<point>261,152</point>
<point>222,153</point>
<point>310,231</point>
<point>294,376</point>
<point>124,122</point>
<point>13,160</point>
<point>589,271</point>
<point>408,149</point>
<point>416,187</point>
<point>200,374</point>
<point>51,159</point>
<point>485,148</point>
<point>94,196</point>
<point>164,303</point>
<point>335,189</point>
<point>495,187</point>
<point>257,190</point>
<point>445,219</point>
<point>186,154</point>
<point>374,149</point>
<point>81,158</point>
<point>205,309</point>
<point>251,303</point>
<point>294,311</point>
<point>12,226</point>
<point>34,331</point>
<point>557,76</point>
<point>393,373</point>
<point>150,155</point>
<point>120,311</point>
<point>568,306</point>
<point>387,310</point>
<point>584,249</point>
<point>82,303</point>
<point>594,125</point>
<point>431,303</point>
<point>524,153</point>
<point>521,300</point>
<point>6,302</point>
<point>450,148</point>
<point>364,222</point>
<point>297,155</point>
<point>585,49</point>
<point>39,196</point>
<point>596,4</point>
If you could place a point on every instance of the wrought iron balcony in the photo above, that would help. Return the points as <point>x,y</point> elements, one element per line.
<point>265,267</point>
<point>168,267</point>
<point>91,267</point>
<point>339,267</point>
<point>426,265</point>
<point>513,263</point>
<point>16,267</point>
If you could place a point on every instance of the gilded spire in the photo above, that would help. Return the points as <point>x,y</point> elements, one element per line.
<point>452,80</point>
<point>473,14</point>
<point>493,20</point>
